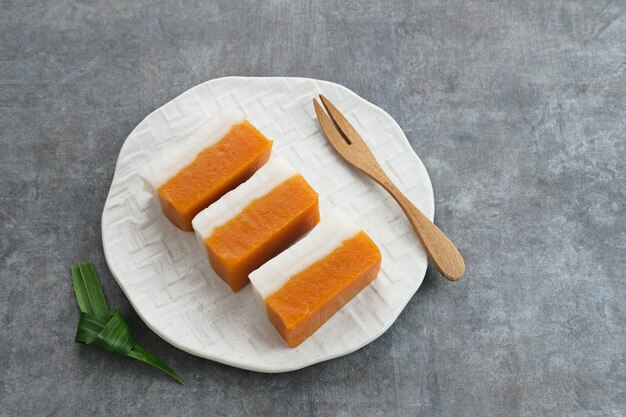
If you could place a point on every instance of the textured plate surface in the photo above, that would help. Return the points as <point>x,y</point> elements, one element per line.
<point>165,273</point>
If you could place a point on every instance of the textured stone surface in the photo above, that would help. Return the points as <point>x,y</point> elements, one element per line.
<point>518,111</point>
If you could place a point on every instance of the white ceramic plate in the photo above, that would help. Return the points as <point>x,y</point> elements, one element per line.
<point>165,274</point>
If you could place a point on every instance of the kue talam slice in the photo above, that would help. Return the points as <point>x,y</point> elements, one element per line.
<point>256,221</point>
<point>306,284</point>
<point>222,154</point>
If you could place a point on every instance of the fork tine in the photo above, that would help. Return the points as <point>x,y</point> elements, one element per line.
<point>342,123</point>
<point>330,130</point>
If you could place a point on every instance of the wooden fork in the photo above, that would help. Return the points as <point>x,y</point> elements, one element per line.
<point>350,145</point>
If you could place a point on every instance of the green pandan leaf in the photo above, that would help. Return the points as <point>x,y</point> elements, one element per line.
<point>89,328</point>
<point>98,326</point>
<point>88,291</point>
<point>140,353</point>
<point>115,336</point>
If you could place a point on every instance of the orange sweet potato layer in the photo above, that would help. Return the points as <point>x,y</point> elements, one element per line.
<point>312,296</point>
<point>266,227</point>
<point>215,171</point>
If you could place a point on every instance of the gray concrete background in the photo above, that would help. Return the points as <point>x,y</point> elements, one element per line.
<point>518,110</point>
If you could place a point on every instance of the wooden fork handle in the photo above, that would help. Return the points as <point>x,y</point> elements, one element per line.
<point>440,250</point>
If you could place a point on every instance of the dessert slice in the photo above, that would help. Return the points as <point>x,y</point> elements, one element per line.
<point>225,152</point>
<point>257,220</point>
<point>305,285</point>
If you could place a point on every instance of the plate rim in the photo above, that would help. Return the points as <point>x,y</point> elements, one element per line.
<point>217,358</point>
